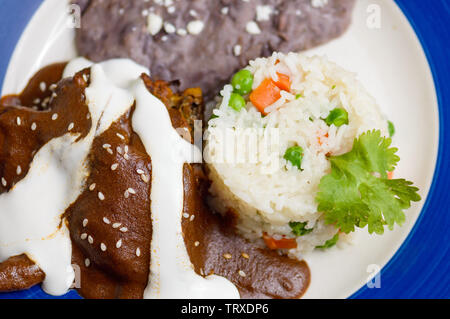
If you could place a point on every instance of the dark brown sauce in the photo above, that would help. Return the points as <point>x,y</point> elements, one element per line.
<point>24,129</point>
<point>123,272</point>
<point>19,272</point>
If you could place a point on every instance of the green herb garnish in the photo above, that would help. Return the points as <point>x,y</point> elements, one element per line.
<point>294,155</point>
<point>352,195</point>
<point>330,242</point>
<point>391,128</point>
<point>338,117</point>
<point>298,228</point>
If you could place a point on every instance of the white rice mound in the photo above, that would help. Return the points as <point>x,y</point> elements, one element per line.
<point>269,192</point>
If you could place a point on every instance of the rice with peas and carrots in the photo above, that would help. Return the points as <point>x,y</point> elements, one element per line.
<point>268,144</point>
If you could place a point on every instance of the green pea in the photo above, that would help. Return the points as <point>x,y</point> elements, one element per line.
<point>294,155</point>
<point>391,128</point>
<point>236,102</point>
<point>338,117</point>
<point>242,82</point>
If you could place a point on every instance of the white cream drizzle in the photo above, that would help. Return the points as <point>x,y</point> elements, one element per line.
<point>30,213</point>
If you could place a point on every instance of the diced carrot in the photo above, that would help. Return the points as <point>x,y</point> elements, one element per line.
<point>283,243</point>
<point>390,175</point>
<point>265,94</point>
<point>284,82</point>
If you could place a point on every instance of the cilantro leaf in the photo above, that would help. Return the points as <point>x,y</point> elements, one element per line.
<point>330,242</point>
<point>358,192</point>
<point>298,228</point>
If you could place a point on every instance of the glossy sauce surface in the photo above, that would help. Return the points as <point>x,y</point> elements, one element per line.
<point>122,273</point>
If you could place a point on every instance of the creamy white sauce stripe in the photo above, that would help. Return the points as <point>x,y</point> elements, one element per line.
<point>171,272</point>
<point>31,226</point>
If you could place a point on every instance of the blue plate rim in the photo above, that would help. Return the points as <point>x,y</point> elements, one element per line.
<point>428,278</point>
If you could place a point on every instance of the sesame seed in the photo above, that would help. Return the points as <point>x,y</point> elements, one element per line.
<point>116,225</point>
<point>126,194</point>
<point>4,183</point>
<point>145,178</point>
<point>319,3</point>
<point>119,150</point>
<point>45,102</point>
<point>192,217</point>
<point>224,10</point>
<point>90,240</point>
<point>185,215</point>
<point>85,222</point>
<point>138,252</point>
<point>123,229</point>
<point>106,220</point>
<point>101,196</point>
<point>105,146</point>
<point>252,28</point>
<point>19,170</point>
<point>120,136</point>
<point>88,116</point>
<point>33,126</point>
<point>193,13</point>
<point>195,27</point>
<point>18,121</point>
<point>119,243</point>
<point>182,32</point>
<point>53,87</point>
<point>92,187</point>
<point>37,101</point>
<point>83,236</point>
<point>154,23</point>
<point>109,151</point>
<point>246,256</point>
<point>43,86</point>
<point>169,28</point>
<point>114,166</point>
<point>54,116</point>
<point>125,156</point>
<point>87,262</point>
<point>126,148</point>
<point>131,191</point>
<point>171,9</point>
<point>237,50</point>
<point>196,244</point>
<point>202,272</point>
<point>103,247</point>
<point>139,171</point>
<point>71,126</point>
<point>227,256</point>
<point>241,273</point>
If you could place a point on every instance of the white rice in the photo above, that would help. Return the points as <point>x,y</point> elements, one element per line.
<point>254,179</point>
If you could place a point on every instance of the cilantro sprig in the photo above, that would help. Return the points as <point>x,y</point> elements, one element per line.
<point>330,242</point>
<point>358,192</point>
<point>299,228</point>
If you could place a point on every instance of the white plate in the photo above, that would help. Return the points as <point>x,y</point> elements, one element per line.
<point>390,63</point>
